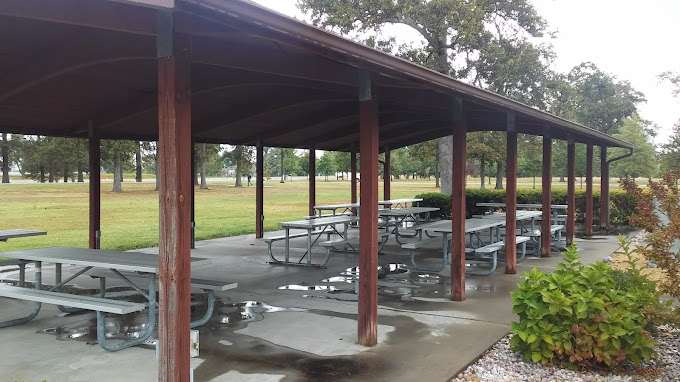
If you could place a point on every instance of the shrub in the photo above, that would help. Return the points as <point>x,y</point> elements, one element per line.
<point>582,315</point>
<point>622,204</point>
<point>658,213</point>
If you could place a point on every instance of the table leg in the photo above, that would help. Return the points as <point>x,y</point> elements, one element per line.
<point>309,246</point>
<point>57,274</point>
<point>38,275</point>
<point>445,247</point>
<point>287,244</point>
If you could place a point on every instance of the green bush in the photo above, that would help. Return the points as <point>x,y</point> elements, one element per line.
<point>622,204</point>
<point>583,315</point>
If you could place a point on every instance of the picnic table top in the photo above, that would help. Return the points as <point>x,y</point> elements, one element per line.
<point>122,261</point>
<point>401,201</point>
<point>14,233</point>
<point>336,206</point>
<point>522,205</point>
<point>471,225</point>
<point>390,202</point>
<point>407,211</point>
<point>317,222</point>
<point>520,215</point>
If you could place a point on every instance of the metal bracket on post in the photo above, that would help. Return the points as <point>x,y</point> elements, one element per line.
<point>365,86</point>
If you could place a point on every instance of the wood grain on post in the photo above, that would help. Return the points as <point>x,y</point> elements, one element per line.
<point>174,151</point>
<point>546,197</point>
<point>511,197</point>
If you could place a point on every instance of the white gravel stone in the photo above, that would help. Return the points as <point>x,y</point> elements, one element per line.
<point>501,364</point>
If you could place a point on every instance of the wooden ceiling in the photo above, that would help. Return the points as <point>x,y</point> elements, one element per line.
<point>66,64</point>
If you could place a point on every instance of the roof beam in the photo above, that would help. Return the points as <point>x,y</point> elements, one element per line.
<point>108,15</point>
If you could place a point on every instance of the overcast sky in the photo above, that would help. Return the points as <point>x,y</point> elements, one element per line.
<point>634,40</point>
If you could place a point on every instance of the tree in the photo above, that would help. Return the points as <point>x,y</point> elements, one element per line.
<point>242,158</point>
<point>600,100</point>
<point>117,155</point>
<point>643,161</point>
<point>453,32</point>
<point>204,155</point>
<point>5,158</point>
<point>530,155</point>
<point>326,165</point>
<point>670,152</point>
<point>673,79</point>
<point>150,159</point>
<point>138,163</point>
<point>483,147</point>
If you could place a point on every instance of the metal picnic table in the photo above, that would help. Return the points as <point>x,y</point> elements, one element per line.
<point>398,217</point>
<point>16,233</point>
<point>534,206</point>
<point>400,203</point>
<point>116,261</point>
<point>520,217</point>
<point>472,227</point>
<point>313,227</point>
<point>343,207</point>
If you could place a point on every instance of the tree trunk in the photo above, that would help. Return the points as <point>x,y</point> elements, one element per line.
<point>5,158</point>
<point>482,172</point>
<point>50,177</point>
<point>499,175</point>
<point>65,174</point>
<point>204,167</point>
<point>158,178</point>
<point>283,180</point>
<point>117,174</point>
<point>238,175</point>
<point>534,183</point>
<point>81,178</point>
<point>42,174</point>
<point>138,163</point>
<point>204,176</point>
<point>445,155</point>
<point>562,180</point>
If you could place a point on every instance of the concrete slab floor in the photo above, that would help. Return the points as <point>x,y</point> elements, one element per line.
<point>262,333</point>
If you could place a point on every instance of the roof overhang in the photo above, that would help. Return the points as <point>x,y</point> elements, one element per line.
<point>256,74</point>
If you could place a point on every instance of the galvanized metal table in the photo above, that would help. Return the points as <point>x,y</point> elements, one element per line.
<point>15,233</point>
<point>340,208</point>
<point>395,218</point>
<point>400,203</point>
<point>315,228</point>
<point>472,226</point>
<point>116,261</point>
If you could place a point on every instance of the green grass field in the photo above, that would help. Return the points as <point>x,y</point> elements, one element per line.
<point>130,218</point>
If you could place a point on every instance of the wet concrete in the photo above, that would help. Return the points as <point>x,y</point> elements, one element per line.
<point>288,323</point>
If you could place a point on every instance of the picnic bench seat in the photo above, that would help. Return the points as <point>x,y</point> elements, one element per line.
<point>75,301</point>
<point>489,254</point>
<point>99,304</point>
<point>208,286</point>
<point>332,244</point>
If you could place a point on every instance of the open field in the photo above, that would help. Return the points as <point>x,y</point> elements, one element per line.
<point>130,219</point>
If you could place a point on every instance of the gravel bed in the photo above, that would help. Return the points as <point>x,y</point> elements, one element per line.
<point>500,364</point>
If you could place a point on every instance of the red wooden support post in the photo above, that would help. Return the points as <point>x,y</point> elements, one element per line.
<point>589,190</point>
<point>511,197</point>
<point>353,169</point>
<point>192,203</point>
<point>368,235</point>
<point>458,213</point>
<point>571,191</point>
<point>387,175</point>
<point>259,191</point>
<point>94,150</point>
<point>604,189</point>
<point>174,156</point>
<point>312,180</point>
<point>547,196</point>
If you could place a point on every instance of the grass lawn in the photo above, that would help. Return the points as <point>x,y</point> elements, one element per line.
<point>130,218</point>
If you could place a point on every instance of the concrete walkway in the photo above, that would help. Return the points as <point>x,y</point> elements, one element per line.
<point>271,330</point>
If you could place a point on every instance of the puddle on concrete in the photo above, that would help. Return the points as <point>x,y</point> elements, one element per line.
<point>238,315</point>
